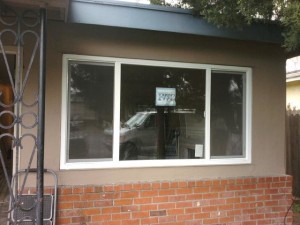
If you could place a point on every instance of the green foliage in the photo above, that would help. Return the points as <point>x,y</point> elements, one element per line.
<point>296,208</point>
<point>240,13</point>
<point>291,22</point>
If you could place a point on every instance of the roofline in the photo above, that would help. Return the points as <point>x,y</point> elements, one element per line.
<point>162,18</point>
<point>293,76</point>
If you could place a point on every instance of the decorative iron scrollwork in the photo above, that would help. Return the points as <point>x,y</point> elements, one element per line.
<point>24,116</point>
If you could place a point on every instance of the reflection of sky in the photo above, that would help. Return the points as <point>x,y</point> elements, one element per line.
<point>135,1</point>
<point>147,1</point>
<point>293,64</point>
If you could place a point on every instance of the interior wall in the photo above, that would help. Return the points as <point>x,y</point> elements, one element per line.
<point>268,108</point>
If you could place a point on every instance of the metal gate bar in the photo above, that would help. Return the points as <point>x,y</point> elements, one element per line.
<point>17,27</point>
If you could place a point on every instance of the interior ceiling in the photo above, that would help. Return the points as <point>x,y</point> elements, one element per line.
<point>56,9</point>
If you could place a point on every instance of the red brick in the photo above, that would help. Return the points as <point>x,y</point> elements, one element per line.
<point>177,198</point>
<point>240,201</point>
<point>62,220</point>
<point>184,191</point>
<point>167,192</point>
<point>166,206</point>
<point>217,188</point>
<point>83,204</point>
<point>156,185</point>
<point>185,217</point>
<point>103,203</point>
<point>80,219</point>
<point>175,211</point>
<point>158,213</point>
<point>89,189</point>
<point>217,201</point>
<point>248,199</point>
<point>148,207</point>
<point>193,197</point>
<point>226,207</point>
<point>65,205</point>
<point>182,184</point>
<point>166,219</point>
<point>210,221</point>
<point>112,223</point>
<point>184,204</point>
<point>210,195</point>
<point>201,189</point>
<point>90,196</point>
<point>131,222</point>
<point>264,222</point>
<point>150,221</point>
<point>111,210</point>
<point>125,201</point>
<point>165,185</point>
<point>233,200</point>
<point>146,186</point>
<point>121,216</point>
<point>96,218</point>
<point>226,220</point>
<point>142,200</point>
<point>233,187</point>
<point>129,194</point>
<point>65,191</point>
<point>68,198</point>
<point>140,214</point>
<point>91,211</point>
<point>160,199</point>
<point>193,210</point>
<point>209,208</point>
<point>77,190</point>
<point>130,208</point>
<point>149,193</point>
<point>174,185</point>
<point>271,203</point>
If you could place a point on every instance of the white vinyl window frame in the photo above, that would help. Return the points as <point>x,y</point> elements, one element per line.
<point>115,162</point>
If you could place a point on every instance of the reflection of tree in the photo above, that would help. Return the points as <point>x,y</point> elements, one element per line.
<point>235,99</point>
<point>92,85</point>
<point>226,114</point>
<point>190,89</point>
<point>139,83</point>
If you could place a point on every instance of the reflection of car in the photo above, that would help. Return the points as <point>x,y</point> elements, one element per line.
<point>139,135</point>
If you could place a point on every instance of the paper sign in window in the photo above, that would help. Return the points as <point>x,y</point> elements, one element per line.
<point>165,97</point>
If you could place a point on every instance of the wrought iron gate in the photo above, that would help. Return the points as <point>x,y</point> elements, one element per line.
<point>16,28</point>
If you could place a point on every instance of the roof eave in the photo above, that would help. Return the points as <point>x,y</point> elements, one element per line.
<point>161,18</point>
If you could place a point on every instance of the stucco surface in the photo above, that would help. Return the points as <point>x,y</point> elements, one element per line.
<point>268,107</point>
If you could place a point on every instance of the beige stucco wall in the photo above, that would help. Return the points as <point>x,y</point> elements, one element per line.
<point>293,94</point>
<point>268,109</point>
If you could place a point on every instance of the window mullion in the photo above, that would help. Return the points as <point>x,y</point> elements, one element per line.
<point>207,112</point>
<point>117,103</point>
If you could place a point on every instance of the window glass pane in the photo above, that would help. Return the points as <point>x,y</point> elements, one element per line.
<point>161,113</point>
<point>90,110</point>
<point>227,114</point>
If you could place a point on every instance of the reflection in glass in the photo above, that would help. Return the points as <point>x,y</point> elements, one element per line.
<point>90,111</point>
<point>227,114</point>
<point>149,131</point>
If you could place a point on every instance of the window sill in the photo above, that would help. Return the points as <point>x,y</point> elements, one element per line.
<point>152,163</point>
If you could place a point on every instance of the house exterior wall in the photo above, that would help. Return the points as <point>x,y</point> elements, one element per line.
<point>293,94</point>
<point>268,106</point>
<point>116,191</point>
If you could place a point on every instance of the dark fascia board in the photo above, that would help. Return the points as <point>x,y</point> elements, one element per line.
<point>161,18</point>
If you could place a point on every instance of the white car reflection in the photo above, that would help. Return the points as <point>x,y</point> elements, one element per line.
<point>139,135</point>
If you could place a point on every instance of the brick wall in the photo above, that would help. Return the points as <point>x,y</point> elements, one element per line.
<point>234,201</point>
